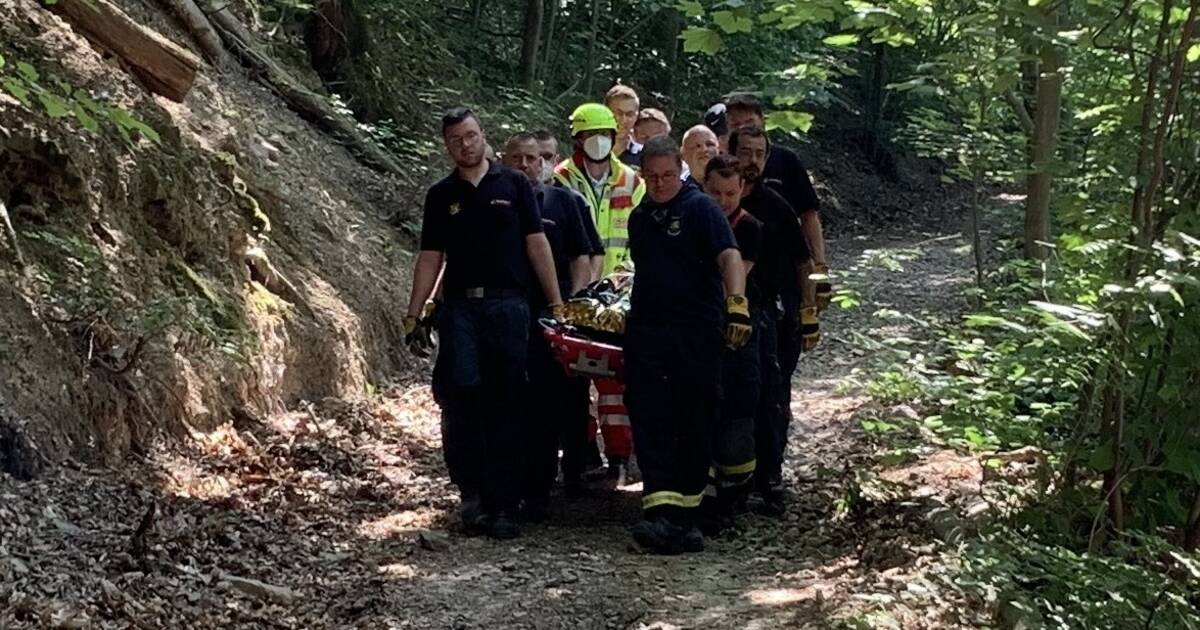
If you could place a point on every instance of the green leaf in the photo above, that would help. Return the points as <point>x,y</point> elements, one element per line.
<point>85,119</point>
<point>126,122</point>
<point>731,23</point>
<point>1193,53</point>
<point>17,88</point>
<point>1,62</point>
<point>691,8</point>
<point>844,39</point>
<point>28,72</point>
<point>701,40</point>
<point>55,106</point>
<point>789,120</point>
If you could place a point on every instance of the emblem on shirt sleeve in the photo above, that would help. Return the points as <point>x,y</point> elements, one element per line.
<point>454,208</point>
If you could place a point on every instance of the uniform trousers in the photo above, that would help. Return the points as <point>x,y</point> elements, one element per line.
<point>673,381</point>
<point>479,382</point>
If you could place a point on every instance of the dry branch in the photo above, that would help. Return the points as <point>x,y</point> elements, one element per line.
<point>12,234</point>
<point>201,30</point>
<point>308,104</point>
<point>165,67</point>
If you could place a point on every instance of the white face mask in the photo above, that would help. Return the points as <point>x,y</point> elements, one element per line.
<point>598,147</point>
<point>547,172</point>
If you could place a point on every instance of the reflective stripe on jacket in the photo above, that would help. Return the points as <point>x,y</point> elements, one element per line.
<point>622,193</point>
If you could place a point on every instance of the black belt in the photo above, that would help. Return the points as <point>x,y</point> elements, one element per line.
<point>478,293</point>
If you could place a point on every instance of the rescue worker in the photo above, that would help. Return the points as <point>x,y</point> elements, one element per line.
<point>482,221</point>
<point>679,321</point>
<point>784,257</point>
<point>699,145</point>
<point>548,150</point>
<point>650,122</point>
<point>733,439</point>
<point>612,190</point>
<point>579,449</point>
<point>548,399</point>
<point>624,103</point>
<point>786,173</point>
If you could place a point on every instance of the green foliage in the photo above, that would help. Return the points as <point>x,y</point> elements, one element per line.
<point>62,100</point>
<point>1139,584</point>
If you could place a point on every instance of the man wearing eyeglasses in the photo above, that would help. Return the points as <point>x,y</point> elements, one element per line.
<point>482,221</point>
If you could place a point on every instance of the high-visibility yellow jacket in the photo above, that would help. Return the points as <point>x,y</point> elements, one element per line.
<point>611,209</point>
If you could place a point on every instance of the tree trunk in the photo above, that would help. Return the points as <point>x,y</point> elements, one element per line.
<point>476,18</point>
<point>670,26</point>
<point>162,65</point>
<point>1045,143</point>
<point>201,30</point>
<point>590,75</point>
<point>548,49</point>
<point>1191,535</point>
<point>530,42</point>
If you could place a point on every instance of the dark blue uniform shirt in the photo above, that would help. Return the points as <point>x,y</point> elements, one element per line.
<point>786,174</point>
<point>784,245</point>
<point>482,230</point>
<point>674,247</point>
<point>563,224</point>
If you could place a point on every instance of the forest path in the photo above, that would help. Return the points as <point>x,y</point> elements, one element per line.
<point>341,515</point>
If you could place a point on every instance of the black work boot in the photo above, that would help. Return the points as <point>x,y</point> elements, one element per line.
<point>692,540</point>
<point>474,519</point>
<point>774,502</point>
<point>658,536</point>
<point>504,527</point>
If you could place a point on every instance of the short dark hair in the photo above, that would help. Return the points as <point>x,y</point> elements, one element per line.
<point>620,91</point>
<point>519,138</point>
<point>456,116</point>
<point>753,131</point>
<point>542,135</point>
<point>745,102</point>
<point>723,165</point>
<point>660,146</point>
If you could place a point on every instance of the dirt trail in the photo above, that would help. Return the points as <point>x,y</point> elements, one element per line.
<point>341,516</point>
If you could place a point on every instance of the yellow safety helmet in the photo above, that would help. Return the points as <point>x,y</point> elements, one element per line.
<point>590,117</point>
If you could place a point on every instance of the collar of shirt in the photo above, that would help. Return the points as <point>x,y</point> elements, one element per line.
<point>493,168</point>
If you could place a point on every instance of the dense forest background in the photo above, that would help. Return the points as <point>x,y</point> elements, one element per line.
<point>174,265</point>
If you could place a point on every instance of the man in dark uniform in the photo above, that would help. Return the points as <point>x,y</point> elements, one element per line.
<point>734,458</point>
<point>554,400</point>
<point>785,173</point>
<point>482,221</point>
<point>684,255</point>
<point>778,275</point>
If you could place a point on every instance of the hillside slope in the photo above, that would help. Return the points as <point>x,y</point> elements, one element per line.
<point>155,296</point>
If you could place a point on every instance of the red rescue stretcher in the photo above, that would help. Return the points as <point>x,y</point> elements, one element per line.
<point>584,356</point>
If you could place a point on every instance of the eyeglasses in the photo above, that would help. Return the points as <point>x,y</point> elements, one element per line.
<point>471,137</point>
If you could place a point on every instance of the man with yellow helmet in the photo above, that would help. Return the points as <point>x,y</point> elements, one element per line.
<point>612,190</point>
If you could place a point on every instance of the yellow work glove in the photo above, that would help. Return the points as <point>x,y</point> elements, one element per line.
<point>810,331</point>
<point>737,321</point>
<point>558,312</point>
<point>824,290</point>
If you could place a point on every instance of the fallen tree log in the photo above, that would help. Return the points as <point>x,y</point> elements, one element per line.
<point>308,104</point>
<point>201,30</point>
<point>163,66</point>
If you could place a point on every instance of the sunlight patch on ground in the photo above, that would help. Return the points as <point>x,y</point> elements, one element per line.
<point>397,524</point>
<point>399,570</point>
<point>779,596</point>
<point>185,478</point>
